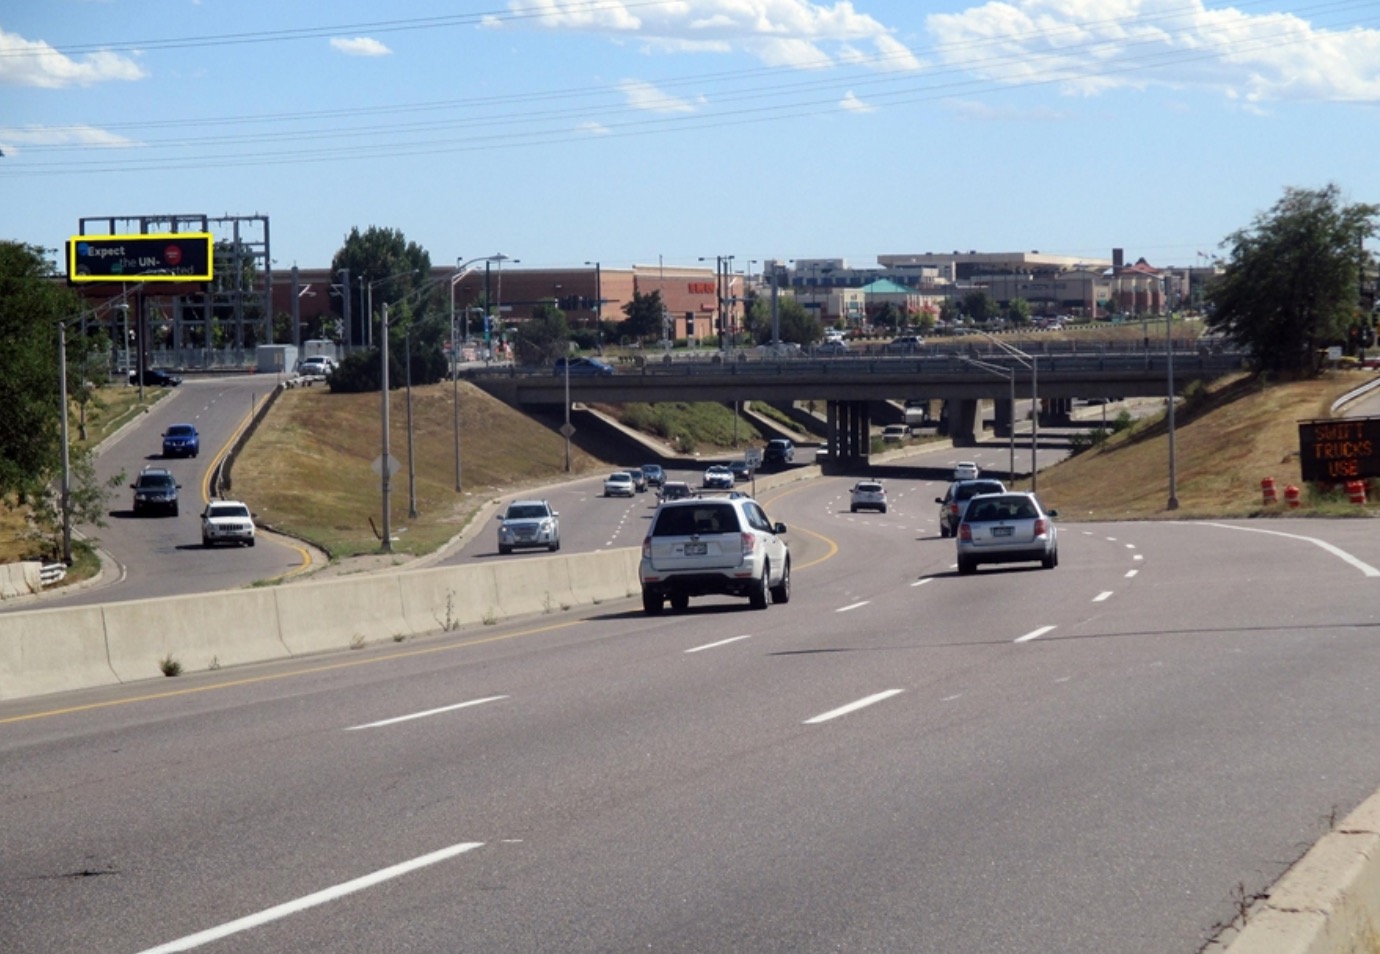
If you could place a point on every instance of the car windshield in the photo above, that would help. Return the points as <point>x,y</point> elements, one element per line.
<point>227,510</point>
<point>701,519</point>
<point>155,480</point>
<point>181,430</point>
<point>526,511</point>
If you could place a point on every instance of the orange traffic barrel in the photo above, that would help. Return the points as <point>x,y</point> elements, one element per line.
<point>1291,495</point>
<point>1267,488</point>
<point>1356,491</point>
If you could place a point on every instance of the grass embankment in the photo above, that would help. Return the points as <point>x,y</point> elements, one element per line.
<point>1227,439</point>
<point>111,408</point>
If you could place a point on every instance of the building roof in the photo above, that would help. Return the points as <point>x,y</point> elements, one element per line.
<point>885,286</point>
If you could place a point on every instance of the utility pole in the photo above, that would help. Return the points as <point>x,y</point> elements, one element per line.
<point>385,471</point>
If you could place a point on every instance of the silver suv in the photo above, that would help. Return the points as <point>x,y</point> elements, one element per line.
<point>713,546</point>
<point>528,523</point>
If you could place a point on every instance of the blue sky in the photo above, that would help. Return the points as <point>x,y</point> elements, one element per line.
<point>632,131</point>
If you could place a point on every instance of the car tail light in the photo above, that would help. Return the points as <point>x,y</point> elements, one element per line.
<point>1040,527</point>
<point>965,532</point>
<point>646,548</point>
<point>749,544</point>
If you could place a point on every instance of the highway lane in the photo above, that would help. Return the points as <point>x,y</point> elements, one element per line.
<point>1102,755</point>
<point>160,555</point>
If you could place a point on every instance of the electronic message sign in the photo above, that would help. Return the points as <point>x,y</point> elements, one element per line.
<point>161,257</point>
<point>1339,449</point>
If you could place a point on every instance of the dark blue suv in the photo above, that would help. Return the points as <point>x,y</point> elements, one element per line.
<point>181,440</point>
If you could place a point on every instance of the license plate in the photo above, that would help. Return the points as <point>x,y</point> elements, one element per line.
<point>1001,531</point>
<point>696,549</point>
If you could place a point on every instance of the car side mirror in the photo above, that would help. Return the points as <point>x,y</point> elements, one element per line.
<point>939,500</point>
<point>498,516</point>
<point>1051,513</point>
<point>779,528</point>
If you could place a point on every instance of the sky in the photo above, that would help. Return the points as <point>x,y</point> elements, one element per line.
<point>631,132</point>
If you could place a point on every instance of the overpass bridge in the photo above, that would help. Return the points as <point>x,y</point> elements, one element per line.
<point>849,384</point>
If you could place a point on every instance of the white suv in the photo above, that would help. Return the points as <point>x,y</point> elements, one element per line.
<point>528,523</point>
<point>709,546</point>
<point>227,521</point>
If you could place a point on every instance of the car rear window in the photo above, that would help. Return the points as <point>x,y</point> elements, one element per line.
<point>870,488</point>
<point>700,519</point>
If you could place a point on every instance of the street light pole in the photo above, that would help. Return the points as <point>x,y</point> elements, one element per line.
<point>1169,348</point>
<point>1031,363</point>
<point>384,470</point>
<point>1010,376</point>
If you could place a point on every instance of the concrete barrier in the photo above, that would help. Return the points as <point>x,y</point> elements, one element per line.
<point>20,579</point>
<point>54,650</point>
<point>57,650</point>
<point>336,614</point>
<point>1328,902</point>
<point>204,631</point>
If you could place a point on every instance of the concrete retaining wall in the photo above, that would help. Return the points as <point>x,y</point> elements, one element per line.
<point>20,579</point>
<point>57,650</point>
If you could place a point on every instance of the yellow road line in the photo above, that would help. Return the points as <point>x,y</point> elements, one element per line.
<point>833,547</point>
<point>251,680</point>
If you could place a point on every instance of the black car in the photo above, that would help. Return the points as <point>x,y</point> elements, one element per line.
<point>639,477</point>
<point>155,489</point>
<point>742,470</point>
<point>156,378</point>
<point>955,500</point>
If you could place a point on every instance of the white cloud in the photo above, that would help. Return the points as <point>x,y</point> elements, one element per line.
<point>852,104</point>
<point>360,46</point>
<point>1089,47</point>
<point>643,95</point>
<point>14,139</point>
<point>591,128</point>
<point>35,63</point>
<point>792,33</point>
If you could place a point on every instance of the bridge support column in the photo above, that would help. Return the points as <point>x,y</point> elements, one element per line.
<point>1002,418</point>
<point>849,430</point>
<point>965,423</point>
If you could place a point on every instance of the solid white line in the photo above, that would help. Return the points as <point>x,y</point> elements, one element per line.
<point>1102,596</point>
<point>312,900</point>
<point>423,715</point>
<point>1365,568</point>
<point>851,606</point>
<point>1034,634</point>
<point>722,642</point>
<point>852,707</point>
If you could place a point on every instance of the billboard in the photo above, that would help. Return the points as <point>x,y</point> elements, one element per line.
<point>155,257</point>
<point>1339,449</point>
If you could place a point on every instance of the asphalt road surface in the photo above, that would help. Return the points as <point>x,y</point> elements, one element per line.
<point>1104,756</point>
<point>158,555</point>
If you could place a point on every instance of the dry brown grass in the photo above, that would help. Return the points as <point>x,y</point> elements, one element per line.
<point>1239,434</point>
<point>308,470</point>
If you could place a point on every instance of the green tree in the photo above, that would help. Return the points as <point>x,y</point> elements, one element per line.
<point>645,314</point>
<point>979,306</point>
<point>542,338</point>
<point>32,306</point>
<point>395,267</point>
<point>1291,284</point>
<point>889,316</point>
<point>1018,311</point>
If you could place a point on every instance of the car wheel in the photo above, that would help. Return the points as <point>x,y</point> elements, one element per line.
<point>760,597</point>
<point>966,567</point>
<point>883,510</point>
<point>251,541</point>
<point>1051,560</point>
<point>652,603</point>
<point>680,602</point>
<point>852,509</point>
<point>943,530</point>
<point>205,541</point>
<point>504,549</point>
<point>174,510</point>
<point>555,546</point>
<point>781,592</point>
